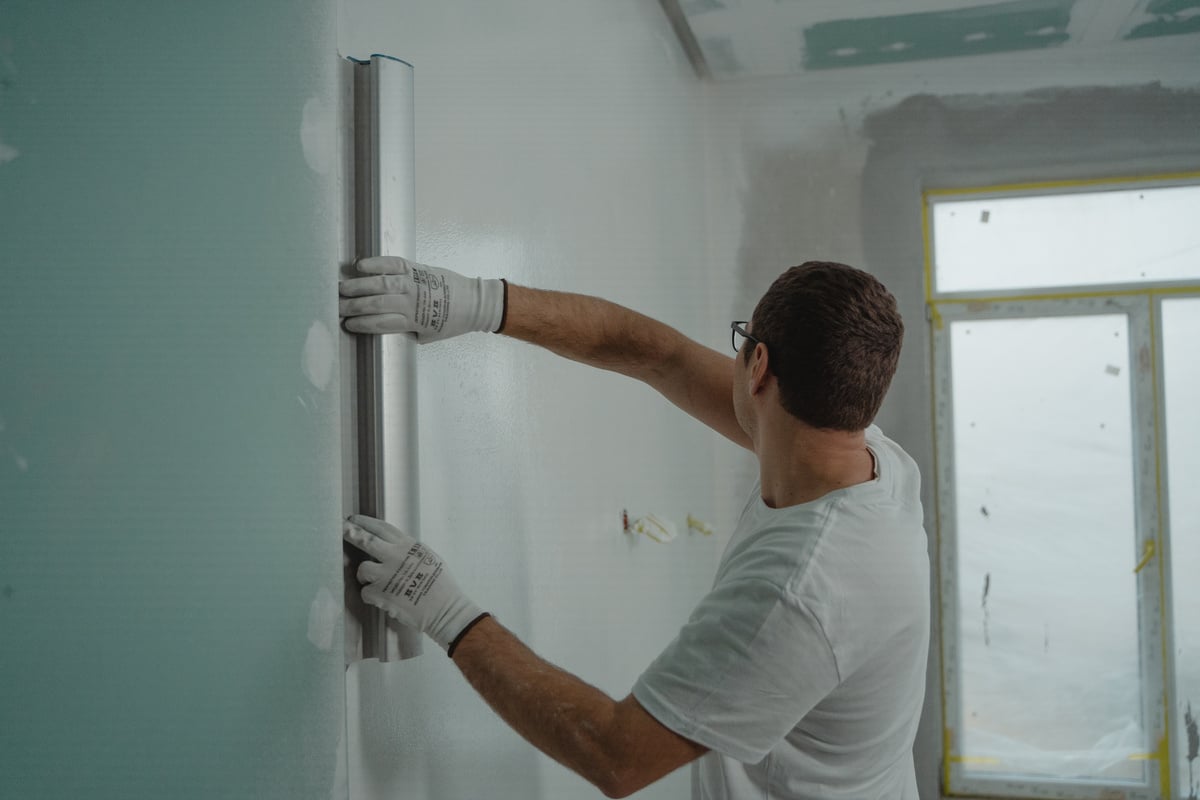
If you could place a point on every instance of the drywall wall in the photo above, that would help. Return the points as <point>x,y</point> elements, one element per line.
<point>568,146</point>
<point>169,512</point>
<point>558,145</point>
<point>832,167</point>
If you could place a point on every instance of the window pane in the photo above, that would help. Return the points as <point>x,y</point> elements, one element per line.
<point>1119,236</point>
<point>1048,625</point>
<point>1181,332</point>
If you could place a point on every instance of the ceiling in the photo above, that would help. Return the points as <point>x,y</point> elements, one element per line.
<point>730,39</point>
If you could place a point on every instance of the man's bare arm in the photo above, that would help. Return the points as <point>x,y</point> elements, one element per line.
<point>395,295</point>
<point>616,746</point>
<point>602,334</point>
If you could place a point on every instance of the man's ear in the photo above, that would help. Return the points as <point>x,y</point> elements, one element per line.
<point>760,370</point>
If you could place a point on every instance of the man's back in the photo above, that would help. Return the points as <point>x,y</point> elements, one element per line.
<point>804,669</point>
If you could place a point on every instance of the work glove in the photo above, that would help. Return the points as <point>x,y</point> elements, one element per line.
<point>402,296</point>
<point>409,582</point>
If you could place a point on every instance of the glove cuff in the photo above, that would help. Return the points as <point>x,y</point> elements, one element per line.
<point>453,623</point>
<point>504,313</point>
<point>492,305</point>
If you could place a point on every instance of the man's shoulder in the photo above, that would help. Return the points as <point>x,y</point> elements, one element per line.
<point>776,549</point>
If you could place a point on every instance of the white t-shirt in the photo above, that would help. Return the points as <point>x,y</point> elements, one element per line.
<point>803,670</point>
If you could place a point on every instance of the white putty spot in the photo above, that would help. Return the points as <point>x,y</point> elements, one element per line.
<point>318,355</point>
<point>317,135</point>
<point>19,460</point>
<point>699,526</point>
<point>655,527</point>
<point>8,153</point>
<point>322,620</point>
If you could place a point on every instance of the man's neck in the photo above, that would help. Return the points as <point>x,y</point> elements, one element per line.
<point>799,464</point>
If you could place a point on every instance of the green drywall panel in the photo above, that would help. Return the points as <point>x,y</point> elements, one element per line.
<point>995,28</point>
<point>169,473</point>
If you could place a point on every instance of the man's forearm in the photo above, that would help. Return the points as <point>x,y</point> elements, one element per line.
<point>606,335</point>
<point>567,719</point>
<point>590,330</point>
<point>617,746</point>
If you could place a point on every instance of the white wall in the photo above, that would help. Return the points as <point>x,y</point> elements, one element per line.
<point>568,145</point>
<point>558,145</point>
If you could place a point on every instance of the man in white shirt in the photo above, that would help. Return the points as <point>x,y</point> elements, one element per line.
<point>802,673</point>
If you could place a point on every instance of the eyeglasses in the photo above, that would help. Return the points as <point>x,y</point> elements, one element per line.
<point>740,336</point>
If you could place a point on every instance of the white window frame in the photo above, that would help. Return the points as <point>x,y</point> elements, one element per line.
<point>1174,747</point>
<point>1141,304</point>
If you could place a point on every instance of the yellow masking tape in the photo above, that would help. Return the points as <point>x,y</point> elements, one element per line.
<point>947,757</point>
<point>1035,186</point>
<point>975,760</point>
<point>1147,554</point>
<point>935,316</point>
<point>1164,766</point>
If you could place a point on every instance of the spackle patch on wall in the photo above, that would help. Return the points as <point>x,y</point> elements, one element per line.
<point>317,135</point>
<point>322,620</point>
<point>7,153</point>
<point>8,73</point>
<point>318,355</point>
<point>18,459</point>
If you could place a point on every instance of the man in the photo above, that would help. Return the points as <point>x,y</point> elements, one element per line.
<point>802,673</point>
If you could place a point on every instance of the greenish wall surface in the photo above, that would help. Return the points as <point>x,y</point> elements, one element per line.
<point>170,563</point>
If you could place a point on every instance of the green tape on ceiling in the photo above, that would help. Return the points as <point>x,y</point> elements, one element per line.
<point>996,28</point>
<point>1171,6</point>
<point>1171,17</point>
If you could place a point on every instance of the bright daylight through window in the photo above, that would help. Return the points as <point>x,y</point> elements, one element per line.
<point>1066,321</point>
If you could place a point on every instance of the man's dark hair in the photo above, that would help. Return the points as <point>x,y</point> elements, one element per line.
<point>833,336</point>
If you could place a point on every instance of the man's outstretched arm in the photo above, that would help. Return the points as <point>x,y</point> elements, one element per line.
<point>399,296</point>
<point>616,746</point>
<point>602,334</point>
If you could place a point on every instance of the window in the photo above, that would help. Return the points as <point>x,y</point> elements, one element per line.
<point>1066,321</point>
<point>991,241</point>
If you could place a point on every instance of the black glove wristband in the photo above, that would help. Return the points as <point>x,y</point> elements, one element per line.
<point>466,630</point>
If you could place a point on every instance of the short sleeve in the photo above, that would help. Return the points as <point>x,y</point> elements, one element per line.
<point>745,669</point>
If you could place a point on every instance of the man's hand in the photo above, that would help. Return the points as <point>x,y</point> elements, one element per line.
<point>402,296</point>
<point>409,582</point>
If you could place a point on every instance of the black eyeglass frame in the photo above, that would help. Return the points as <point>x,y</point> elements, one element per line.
<point>738,328</point>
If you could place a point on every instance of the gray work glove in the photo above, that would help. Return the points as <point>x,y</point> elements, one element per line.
<point>409,582</point>
<point>402,296</point>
